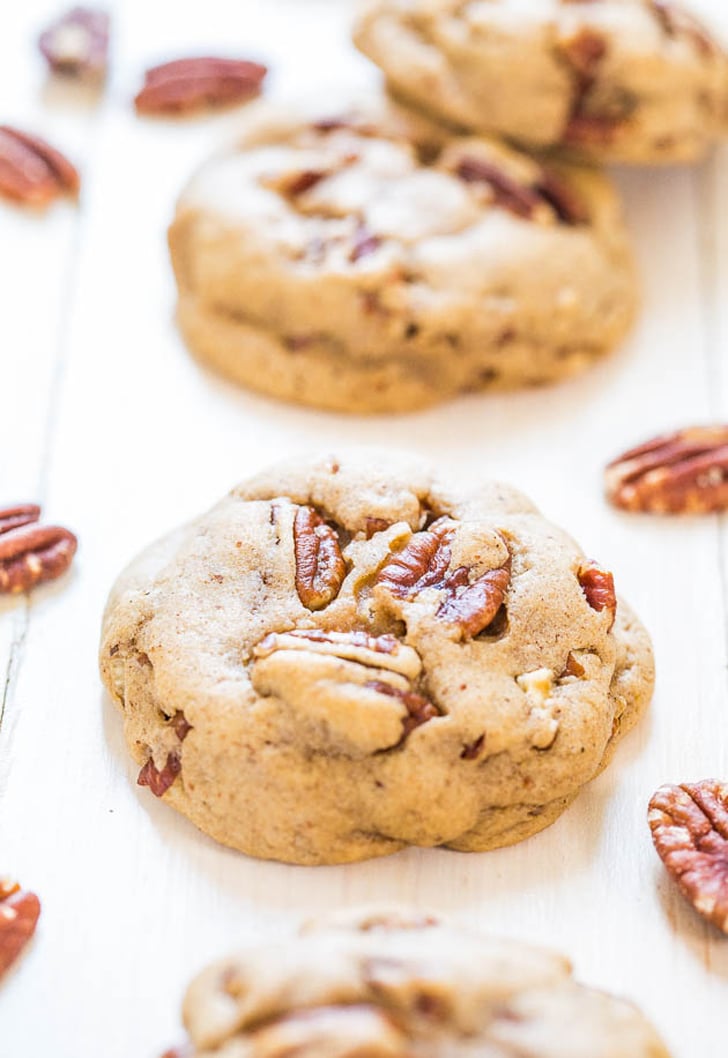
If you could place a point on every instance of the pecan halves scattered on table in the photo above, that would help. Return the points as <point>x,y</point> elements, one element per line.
<point>77,43</point>
<point>685,472</point>
<point>19,913</point>
<point>320,566</point>
<point>184,85</point>
<point>689,825</point>
<point>32,172</point>
<point>31,554</point>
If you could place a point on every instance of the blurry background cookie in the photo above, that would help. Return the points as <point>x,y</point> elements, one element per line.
<point>367,262</point>
<point>347,656</point>
<point>621,80</point>
<point>395,983</point>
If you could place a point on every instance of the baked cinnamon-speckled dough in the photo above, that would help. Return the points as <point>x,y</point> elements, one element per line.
<point>397,984</point>
<point>365,261</point>
<point>348,655</point>
<point>637,81</point>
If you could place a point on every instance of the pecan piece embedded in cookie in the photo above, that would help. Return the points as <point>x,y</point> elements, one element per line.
<point>320,568</point>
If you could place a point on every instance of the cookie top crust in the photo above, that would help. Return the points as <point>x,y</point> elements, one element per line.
<point>348,633</point>
<point>376,232</point>
<point>619,80</point>
<point>393,984</point>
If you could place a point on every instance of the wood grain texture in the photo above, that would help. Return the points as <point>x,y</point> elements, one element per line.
<point>110,424</point>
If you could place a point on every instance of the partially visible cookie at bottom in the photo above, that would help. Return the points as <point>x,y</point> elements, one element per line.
<point>368,261</point>
<point>353,653</point>
<point>390,983</point>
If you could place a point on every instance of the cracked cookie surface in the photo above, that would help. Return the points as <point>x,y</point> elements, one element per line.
<point>386,983</point>
<point>347,656</point>
<point>636,81</point>
<point>367,262</point>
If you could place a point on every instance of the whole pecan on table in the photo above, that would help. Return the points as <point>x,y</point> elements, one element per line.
<point>77,43</point>
<point>19,913</point>
<point>31,554</point>
<point>184,85</point>
<point>685,472</point>
<point>689,825</point>
<point>32,172</point>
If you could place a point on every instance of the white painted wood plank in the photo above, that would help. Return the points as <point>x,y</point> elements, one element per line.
<point>134,898</point>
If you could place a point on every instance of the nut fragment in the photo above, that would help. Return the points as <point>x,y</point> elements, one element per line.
<point>685,472</point>
<point>160,781</point>
<point>19,912</point>
<point>689,825</point>
<point>77,43</point>
<point>189,84</point>
<point>420,710</point>
<point>598,586</point>
<point>33,554</point>
<point>15,517</point>
<point>320,566</point>
<point>31,171</point>
<point>524,200</point>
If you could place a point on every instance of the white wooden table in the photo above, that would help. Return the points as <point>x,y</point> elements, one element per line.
<point>107,421</point>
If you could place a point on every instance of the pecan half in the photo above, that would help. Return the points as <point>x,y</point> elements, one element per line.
<point>525,199</point>
<point>33,554</point>
<point>15,517</point>
<point>474,607</point>
<point>320,566</point>
<point>160,781</point>
<point>189,84</point>
<point>19,913</point>
<point>77,44</point>
<point>352,646</point>
<point>680,473</point>
<point>424,563</point>
<point>689,825</point>
<point>31,171</point>
<point>421,564</point>
<point>598,586</point>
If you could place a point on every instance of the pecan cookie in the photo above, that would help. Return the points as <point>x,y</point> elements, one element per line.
<point>638,81</point>
<point>364,261</point>
<point>393,984</point>
<point>347,656</point>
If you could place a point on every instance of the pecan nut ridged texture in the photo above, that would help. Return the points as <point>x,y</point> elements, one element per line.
<point>689,825</point>
<point>368,261</point>
<point>632,81</point>
<point>31,554</point>
<point>185,85</point>
<point>685,472</point>
<point>389,982</point>
<point>449,683</point>
<point>32,172</point>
